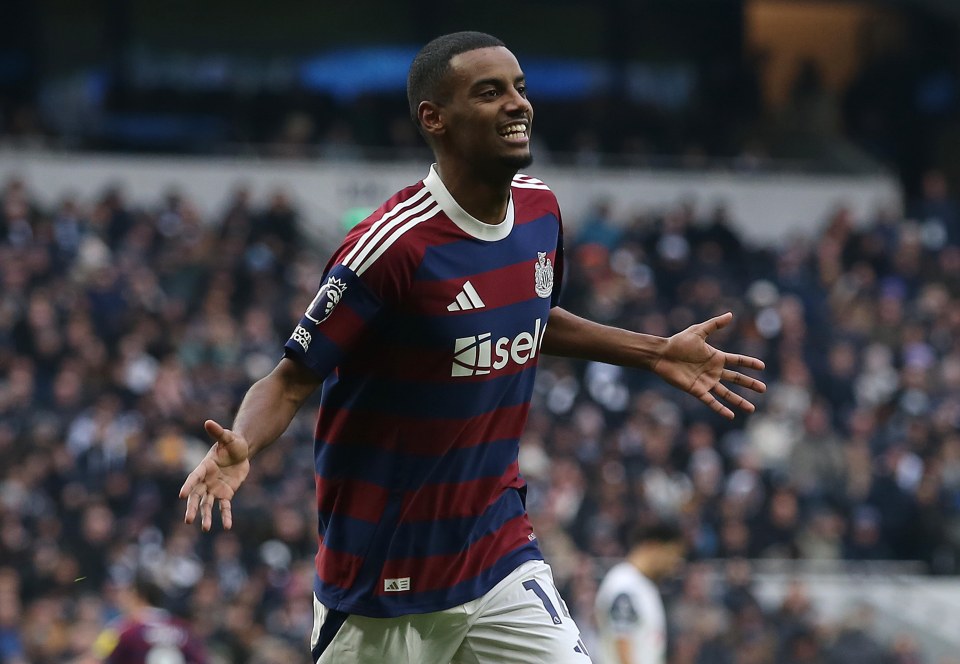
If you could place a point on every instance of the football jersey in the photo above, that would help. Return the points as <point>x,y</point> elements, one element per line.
<point>153,636</point>
<point>629,607</point>
<point>426,330</point>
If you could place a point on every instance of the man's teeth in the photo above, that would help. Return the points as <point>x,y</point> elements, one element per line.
<point>514,131</point>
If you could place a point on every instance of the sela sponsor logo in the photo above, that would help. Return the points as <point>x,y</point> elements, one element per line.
<point>543,275</point>
<point>302,337</point>
<point>480,354</point>
<point>327,298</point>
<point>396,585</point>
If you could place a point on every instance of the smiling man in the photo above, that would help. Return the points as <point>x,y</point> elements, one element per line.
<point>425,333</point>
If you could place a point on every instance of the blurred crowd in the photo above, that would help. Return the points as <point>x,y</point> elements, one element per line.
<point>725,125</point>
<point>125,324</point>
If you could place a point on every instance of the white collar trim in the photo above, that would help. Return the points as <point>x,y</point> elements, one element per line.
<point>467,223</point>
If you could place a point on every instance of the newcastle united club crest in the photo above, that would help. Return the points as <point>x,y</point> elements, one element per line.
<point>543,279</point>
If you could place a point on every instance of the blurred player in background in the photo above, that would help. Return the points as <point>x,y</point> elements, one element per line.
<point>146,633</point>
<point>425,334</point>
<point>631,620</point>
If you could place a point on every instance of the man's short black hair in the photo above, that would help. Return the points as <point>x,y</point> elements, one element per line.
<point>659,532</point>
<point>432,63</point>
<point>147,586</point>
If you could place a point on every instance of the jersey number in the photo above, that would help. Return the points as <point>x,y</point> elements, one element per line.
<point>535,588</point>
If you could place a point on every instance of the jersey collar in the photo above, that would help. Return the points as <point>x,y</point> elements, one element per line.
<point>467,223</point>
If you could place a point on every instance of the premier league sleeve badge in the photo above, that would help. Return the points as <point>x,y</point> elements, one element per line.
<point>327,298</point>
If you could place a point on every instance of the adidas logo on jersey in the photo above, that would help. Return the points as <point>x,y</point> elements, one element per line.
<point>479,355</point>
<point>396,585</point>
<point>467,299</point>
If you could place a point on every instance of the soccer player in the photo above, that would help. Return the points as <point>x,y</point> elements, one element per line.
<point>425,333</point>
<point>146,633</point>
<point>630,616</point>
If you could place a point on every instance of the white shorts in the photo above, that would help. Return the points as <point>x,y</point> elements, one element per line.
<point>521,620</point>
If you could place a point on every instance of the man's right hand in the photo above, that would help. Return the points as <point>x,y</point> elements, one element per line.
<point>217,477</point>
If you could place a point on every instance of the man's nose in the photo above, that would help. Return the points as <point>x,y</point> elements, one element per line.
<point>518,103</point>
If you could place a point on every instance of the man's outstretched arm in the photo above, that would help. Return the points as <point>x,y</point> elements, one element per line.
<point>685,360</point>
<point>265,413</point>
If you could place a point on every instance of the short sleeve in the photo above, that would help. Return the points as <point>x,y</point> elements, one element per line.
<point>558,266</point>
<point>334,322</point>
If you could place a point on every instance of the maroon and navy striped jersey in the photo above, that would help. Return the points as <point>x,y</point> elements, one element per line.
<point>427,329</point>
<point>152,635</point>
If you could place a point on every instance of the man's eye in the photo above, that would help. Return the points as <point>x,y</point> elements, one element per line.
<point>490,93</point>
<point>522,89</point>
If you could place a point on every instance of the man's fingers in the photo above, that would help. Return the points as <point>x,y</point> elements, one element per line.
<point>715,405</point>
<point>733,398</point>
<point>742,361</point>
<point>193,480</point>
<point>217,433</point>
<point>202,487</point>
<point>213,429</point>
<point>226,514</point>
<point>206,512</point>
<point>728,395</point>
<point>716,323</point>
<point>738,378</point>
<point>193,504</point>
<point>200,501</point>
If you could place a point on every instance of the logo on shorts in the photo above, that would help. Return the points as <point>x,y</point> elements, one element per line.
<point>396,585</point>
<point>302,337</point>
<point>327,298</point>
<point>543,275</point>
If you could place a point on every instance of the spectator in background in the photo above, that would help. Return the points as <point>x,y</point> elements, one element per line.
<point>937,209</point>
<point>855,645</point>
<point>812,108</point>
<point>599,228</point>
<point>11,641</point>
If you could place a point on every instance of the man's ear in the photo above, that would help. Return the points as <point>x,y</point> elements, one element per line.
<point>431,118</point>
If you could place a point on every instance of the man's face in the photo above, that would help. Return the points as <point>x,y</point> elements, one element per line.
<point>669,558</point>
<point>488,117</point>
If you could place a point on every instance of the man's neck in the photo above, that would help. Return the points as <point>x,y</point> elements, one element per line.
<point>639,559</point>
<point>485,199</point>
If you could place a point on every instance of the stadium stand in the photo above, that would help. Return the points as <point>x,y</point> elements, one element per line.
<point>126,322</point>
